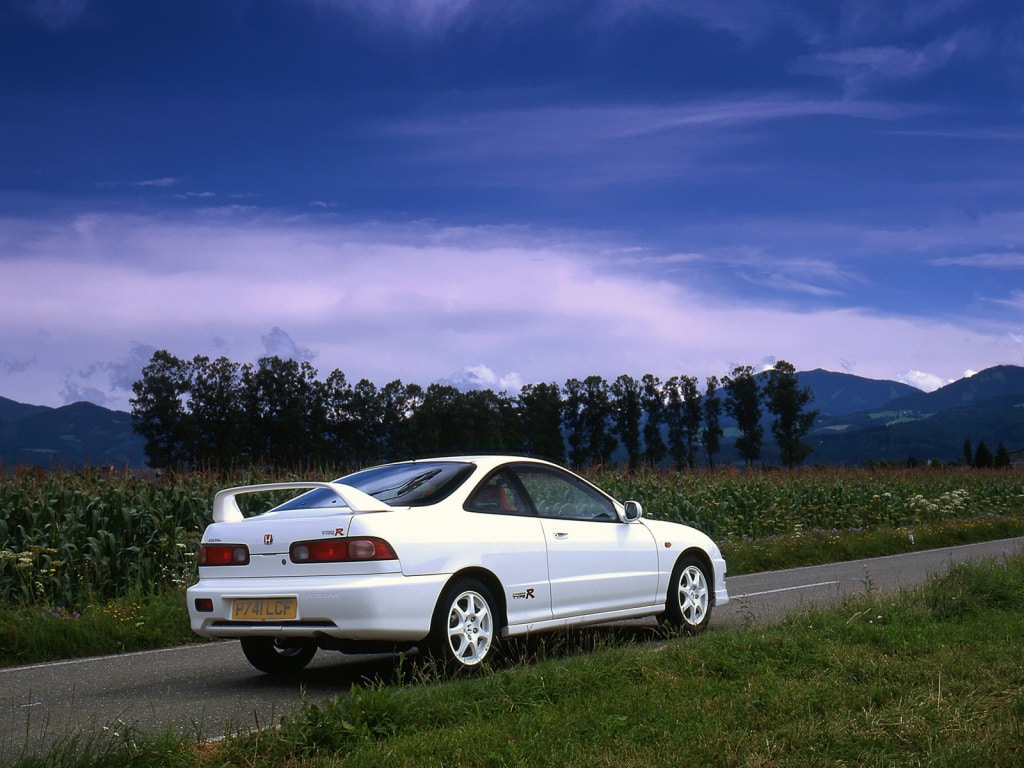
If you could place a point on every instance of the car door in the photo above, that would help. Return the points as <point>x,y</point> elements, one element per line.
<point>509,541</point>
<point>596,563</point>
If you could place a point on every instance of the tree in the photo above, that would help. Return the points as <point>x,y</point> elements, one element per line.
<point>214,397</point>
<point>158,411</point>
<point>284,411</point>
<point>436,424</point>
<point>596,417</point>
<point>398,403</point>
<point>786,401</point>
<point>540,420</point>
<point>338,421</point>
<point>968,453</point>
<point>983,458</point>
<point>652,403</point>
<point>586,412</point>
<point>683,413</point>
<point>1002,459</point>
<point>711,435</point>
<point>572,420</point>
<point>488,422</point>
<point>626,413</point>
<point>743,403</point>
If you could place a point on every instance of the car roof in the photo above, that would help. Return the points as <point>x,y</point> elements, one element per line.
<point>484,461</point>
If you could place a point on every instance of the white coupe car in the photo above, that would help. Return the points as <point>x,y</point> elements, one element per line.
<point>448,555</point>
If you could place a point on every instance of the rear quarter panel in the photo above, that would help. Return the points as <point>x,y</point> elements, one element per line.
<point>434,541</point>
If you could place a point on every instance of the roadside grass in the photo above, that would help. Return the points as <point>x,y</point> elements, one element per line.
<point>132,623</point>
<point>817,546</point>
<point>929,677</point>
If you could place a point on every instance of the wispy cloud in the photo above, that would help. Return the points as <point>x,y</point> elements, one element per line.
<point>54,14</point>
<point>1010,260</point>
<point>415,16</point>
<point>164,181</point>
<point>861,69</point>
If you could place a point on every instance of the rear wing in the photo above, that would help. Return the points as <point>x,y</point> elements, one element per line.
<point>226,509</point>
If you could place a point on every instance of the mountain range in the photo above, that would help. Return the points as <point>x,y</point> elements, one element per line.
<point>860,420</point>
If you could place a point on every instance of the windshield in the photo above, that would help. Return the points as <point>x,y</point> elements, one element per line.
<point>412,484</point>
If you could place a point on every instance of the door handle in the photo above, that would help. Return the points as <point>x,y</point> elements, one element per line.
<point>561,535</point>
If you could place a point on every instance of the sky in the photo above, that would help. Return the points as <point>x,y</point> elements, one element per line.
<point>501,193</point>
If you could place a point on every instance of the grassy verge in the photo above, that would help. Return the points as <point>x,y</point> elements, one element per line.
<point>29,635</point>
<point>816,546</point>
<point>930,677</point>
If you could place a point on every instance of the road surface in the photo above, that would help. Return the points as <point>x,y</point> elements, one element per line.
<point>208,691</point>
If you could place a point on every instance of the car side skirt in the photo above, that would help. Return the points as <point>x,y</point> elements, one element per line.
<point>514,630</point>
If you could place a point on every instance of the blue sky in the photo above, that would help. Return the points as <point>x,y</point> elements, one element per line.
<point>523,191</point>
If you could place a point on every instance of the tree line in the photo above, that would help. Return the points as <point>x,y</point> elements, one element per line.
<point>222,414</point>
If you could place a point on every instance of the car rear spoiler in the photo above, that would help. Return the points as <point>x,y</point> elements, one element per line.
<point>226,509</point>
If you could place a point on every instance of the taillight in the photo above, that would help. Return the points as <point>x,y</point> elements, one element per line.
<point>223,554</point>
<point>341,550</point>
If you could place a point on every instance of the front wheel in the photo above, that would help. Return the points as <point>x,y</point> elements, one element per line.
<point>688,606</point>
<point>278,655</point>
<point>466,626</point>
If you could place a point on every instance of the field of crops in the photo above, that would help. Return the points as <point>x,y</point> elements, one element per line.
<point>70,539</point>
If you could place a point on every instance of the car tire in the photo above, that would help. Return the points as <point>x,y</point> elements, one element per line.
<point>688,604</point>
<point>278,656</point>
<point>466,627</point>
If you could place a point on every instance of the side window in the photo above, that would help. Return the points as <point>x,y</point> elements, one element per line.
<point>563,496</point>
<point>498,495</point>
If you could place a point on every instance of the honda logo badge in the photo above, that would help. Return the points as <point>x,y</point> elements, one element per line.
<point>268,539</point>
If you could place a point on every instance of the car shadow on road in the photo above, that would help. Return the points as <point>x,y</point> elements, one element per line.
<point>333,673</point>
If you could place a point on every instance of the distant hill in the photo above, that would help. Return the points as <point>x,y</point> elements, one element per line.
<point>839,394</point>
<point>1000,381</point>
<point>12,411</point>
<point>80,434</point>
<point>987,407</point>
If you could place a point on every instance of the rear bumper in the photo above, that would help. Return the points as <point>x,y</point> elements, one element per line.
<point>375,607</point>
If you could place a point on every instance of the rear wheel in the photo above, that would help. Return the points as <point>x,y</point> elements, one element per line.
<point>688,606</point>
<point>278,655</point>
<point>466,626</point>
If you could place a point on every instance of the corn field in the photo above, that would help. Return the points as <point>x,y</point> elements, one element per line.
<point>70,539</point>
<point>733,505</point>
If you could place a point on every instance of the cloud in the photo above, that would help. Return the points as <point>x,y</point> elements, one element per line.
<point>928,382</point>
<point>415,16</point>
<point>1008,260</point>
<point>587,146</point>
<point>16,365</point>
<point>482,377</point>
<point>415,302</point>
<point>865,67</point>
<point>54,14</point>
<point>278,343</point>
<point>165,181</point>
<point>106,382</point>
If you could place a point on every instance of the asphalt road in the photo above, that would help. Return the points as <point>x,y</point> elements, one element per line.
<point>207,691</point>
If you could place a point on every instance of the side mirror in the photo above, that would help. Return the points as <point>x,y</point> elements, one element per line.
<point>632,511</point>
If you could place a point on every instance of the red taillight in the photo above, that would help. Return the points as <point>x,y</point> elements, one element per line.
<point>341,550</point>
<point>223,554</point>
<point>204,604</point>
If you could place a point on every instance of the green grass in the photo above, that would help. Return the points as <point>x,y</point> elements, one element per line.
<point>30,635</point>
<point>929,677</point>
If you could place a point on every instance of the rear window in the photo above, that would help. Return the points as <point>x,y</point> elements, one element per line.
<point>399,485</point>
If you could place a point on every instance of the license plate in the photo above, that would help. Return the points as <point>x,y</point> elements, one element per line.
<point>264,609</point>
